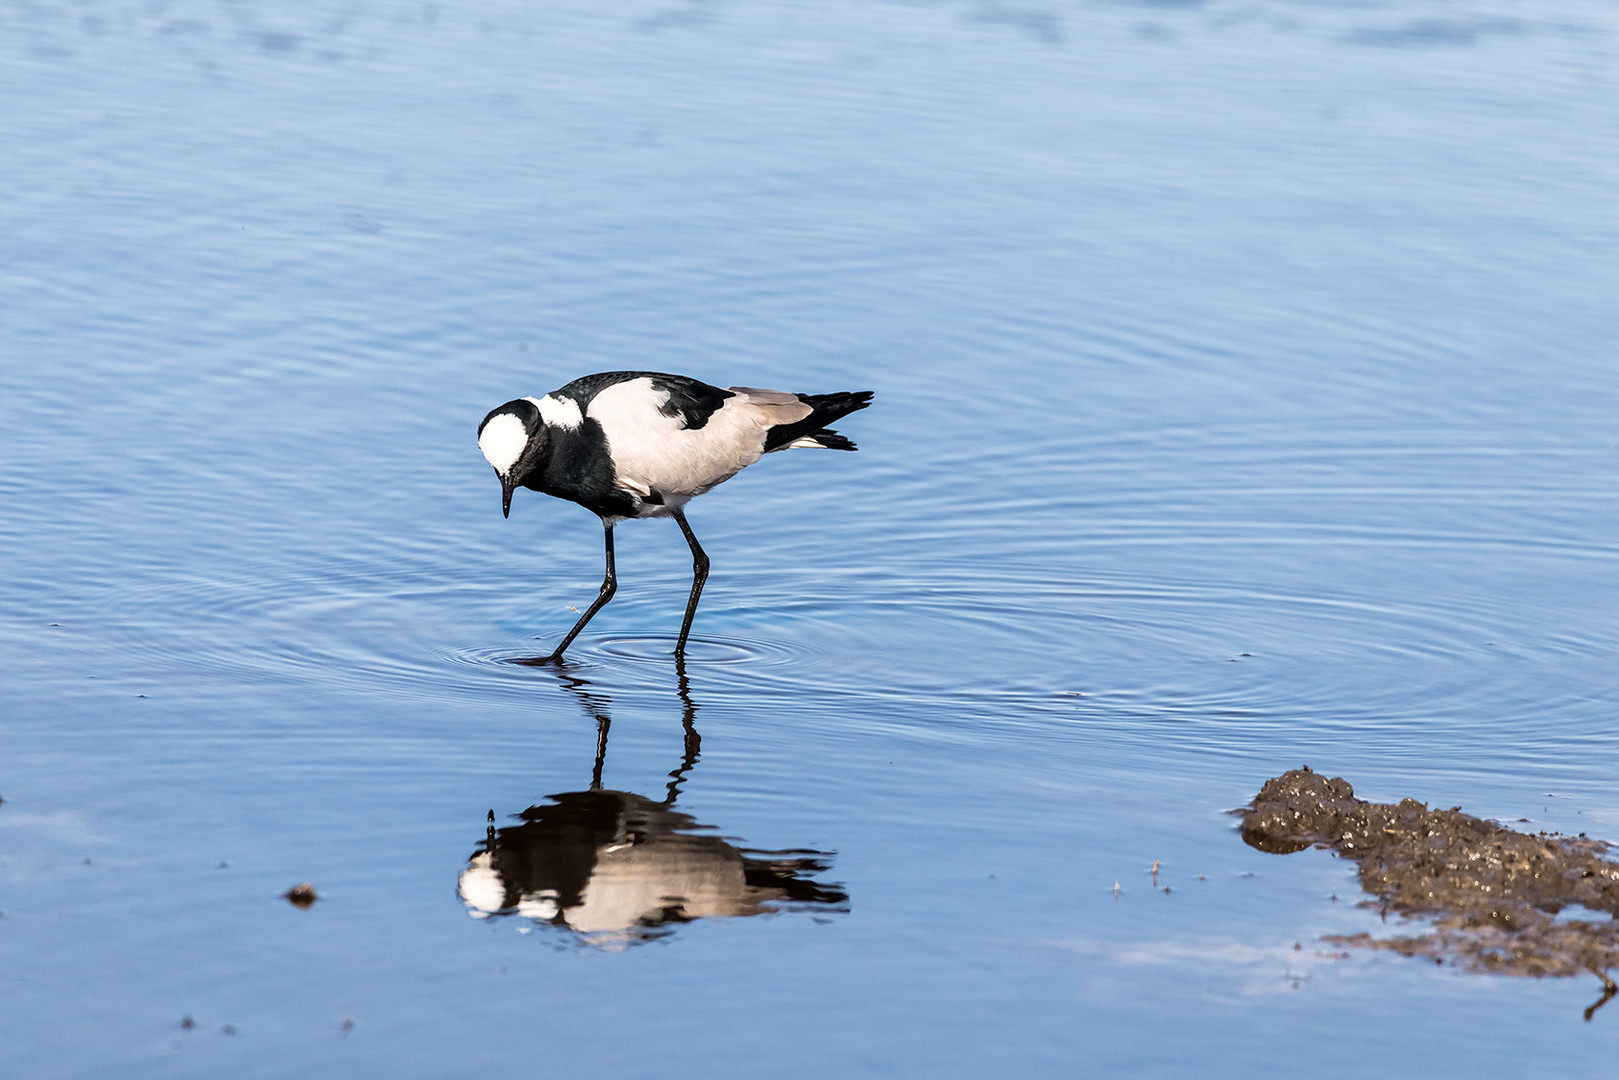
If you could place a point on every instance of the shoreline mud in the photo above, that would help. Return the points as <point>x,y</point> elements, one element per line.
<point>1491,896</point>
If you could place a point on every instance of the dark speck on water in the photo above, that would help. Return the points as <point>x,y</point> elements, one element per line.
<point>301,896</point>
<point>1200,333</point>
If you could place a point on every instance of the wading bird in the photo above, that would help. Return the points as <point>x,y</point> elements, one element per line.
<point>638,444</point>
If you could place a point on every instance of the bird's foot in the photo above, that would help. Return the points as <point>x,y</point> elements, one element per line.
<point>554,660</point>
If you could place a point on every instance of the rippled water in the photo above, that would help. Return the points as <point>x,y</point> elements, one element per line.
<point>1245,399</point>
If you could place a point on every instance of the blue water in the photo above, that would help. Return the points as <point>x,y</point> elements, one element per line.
<point>1246,398</point>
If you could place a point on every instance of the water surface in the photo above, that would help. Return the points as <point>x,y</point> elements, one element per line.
<point>1245,399</point>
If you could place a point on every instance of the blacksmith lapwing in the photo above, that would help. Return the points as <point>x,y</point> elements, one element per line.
<point>638,444</point>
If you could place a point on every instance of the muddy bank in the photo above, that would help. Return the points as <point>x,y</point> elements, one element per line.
<point>1490,895</point>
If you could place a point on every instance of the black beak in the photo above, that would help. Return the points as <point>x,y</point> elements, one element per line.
<point>506,489</point>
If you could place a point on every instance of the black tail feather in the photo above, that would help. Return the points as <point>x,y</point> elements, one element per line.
<point>828,439</point>
<point>827,409</point>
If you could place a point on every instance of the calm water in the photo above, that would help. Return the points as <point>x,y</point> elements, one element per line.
<point>1246,398</point>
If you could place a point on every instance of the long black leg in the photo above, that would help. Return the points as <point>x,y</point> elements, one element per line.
<point>609,586</point>
<point>699,574</point>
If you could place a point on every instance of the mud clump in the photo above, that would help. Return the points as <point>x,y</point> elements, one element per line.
<point>1491,895</point>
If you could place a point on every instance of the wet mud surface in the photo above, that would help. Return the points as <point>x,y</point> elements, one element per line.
<point>1490,896</point>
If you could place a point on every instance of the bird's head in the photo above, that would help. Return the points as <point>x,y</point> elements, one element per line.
<point>512,439</point>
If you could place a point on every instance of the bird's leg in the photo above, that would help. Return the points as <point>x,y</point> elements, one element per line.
<point>609,586</point>
<point>699,574</point>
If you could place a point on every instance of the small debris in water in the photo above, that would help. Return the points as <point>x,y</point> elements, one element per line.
<point>301,896</point>
<point>1491,894</point>
<point>228,1029</point>
<point>187,1024</point>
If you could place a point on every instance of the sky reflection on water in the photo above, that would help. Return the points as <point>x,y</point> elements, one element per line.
<point>1245,399</point>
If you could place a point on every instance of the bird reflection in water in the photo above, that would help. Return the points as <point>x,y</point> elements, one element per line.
<point>615,868</point>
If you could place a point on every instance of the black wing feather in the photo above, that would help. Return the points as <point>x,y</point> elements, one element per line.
<point>693,401</point>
